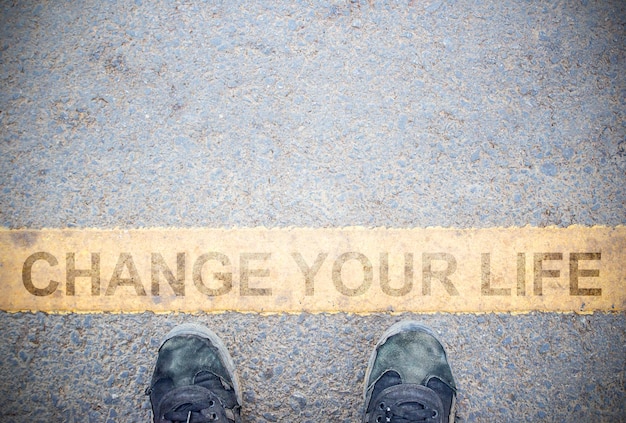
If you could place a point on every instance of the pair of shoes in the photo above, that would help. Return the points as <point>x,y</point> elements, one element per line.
<point>408,379</point>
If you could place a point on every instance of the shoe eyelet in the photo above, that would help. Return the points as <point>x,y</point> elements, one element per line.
<point>381,405</point>
<point>211,403</point>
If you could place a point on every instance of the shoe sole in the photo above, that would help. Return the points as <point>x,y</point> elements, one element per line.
<point>201,331</point>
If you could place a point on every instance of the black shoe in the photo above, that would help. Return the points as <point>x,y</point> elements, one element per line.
<point>408,378</point>
<point>194,379</point>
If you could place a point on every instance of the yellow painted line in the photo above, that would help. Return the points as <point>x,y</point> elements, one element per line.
<point>575,269</point>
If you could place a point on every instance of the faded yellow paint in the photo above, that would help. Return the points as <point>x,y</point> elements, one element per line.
<point>575,269</point>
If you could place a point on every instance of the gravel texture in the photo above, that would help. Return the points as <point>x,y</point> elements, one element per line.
<point>310,368</point>
<point>323,113</point>
<point>462,113</point>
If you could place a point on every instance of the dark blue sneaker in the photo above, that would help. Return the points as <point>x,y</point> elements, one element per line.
<point>408,378</point>
<point>194,379</point>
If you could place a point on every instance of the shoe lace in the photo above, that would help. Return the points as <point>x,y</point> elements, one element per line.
<point>406,403</point>
<point>193,404</point>
<point>191,413</point>
<point>405,412</point>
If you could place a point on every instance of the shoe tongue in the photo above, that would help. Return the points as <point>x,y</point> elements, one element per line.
<point>408,403</point>
<point>193,404</point>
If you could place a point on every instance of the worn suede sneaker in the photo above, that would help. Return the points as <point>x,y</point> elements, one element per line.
<point>194,379</point>
<point>408,378</point>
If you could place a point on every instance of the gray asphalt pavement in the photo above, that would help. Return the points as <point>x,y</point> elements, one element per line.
<point>459,113</point>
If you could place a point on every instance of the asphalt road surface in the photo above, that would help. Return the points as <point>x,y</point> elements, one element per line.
<point>460,113</point>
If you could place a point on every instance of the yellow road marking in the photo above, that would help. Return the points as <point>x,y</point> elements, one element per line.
<point>579,269</point>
